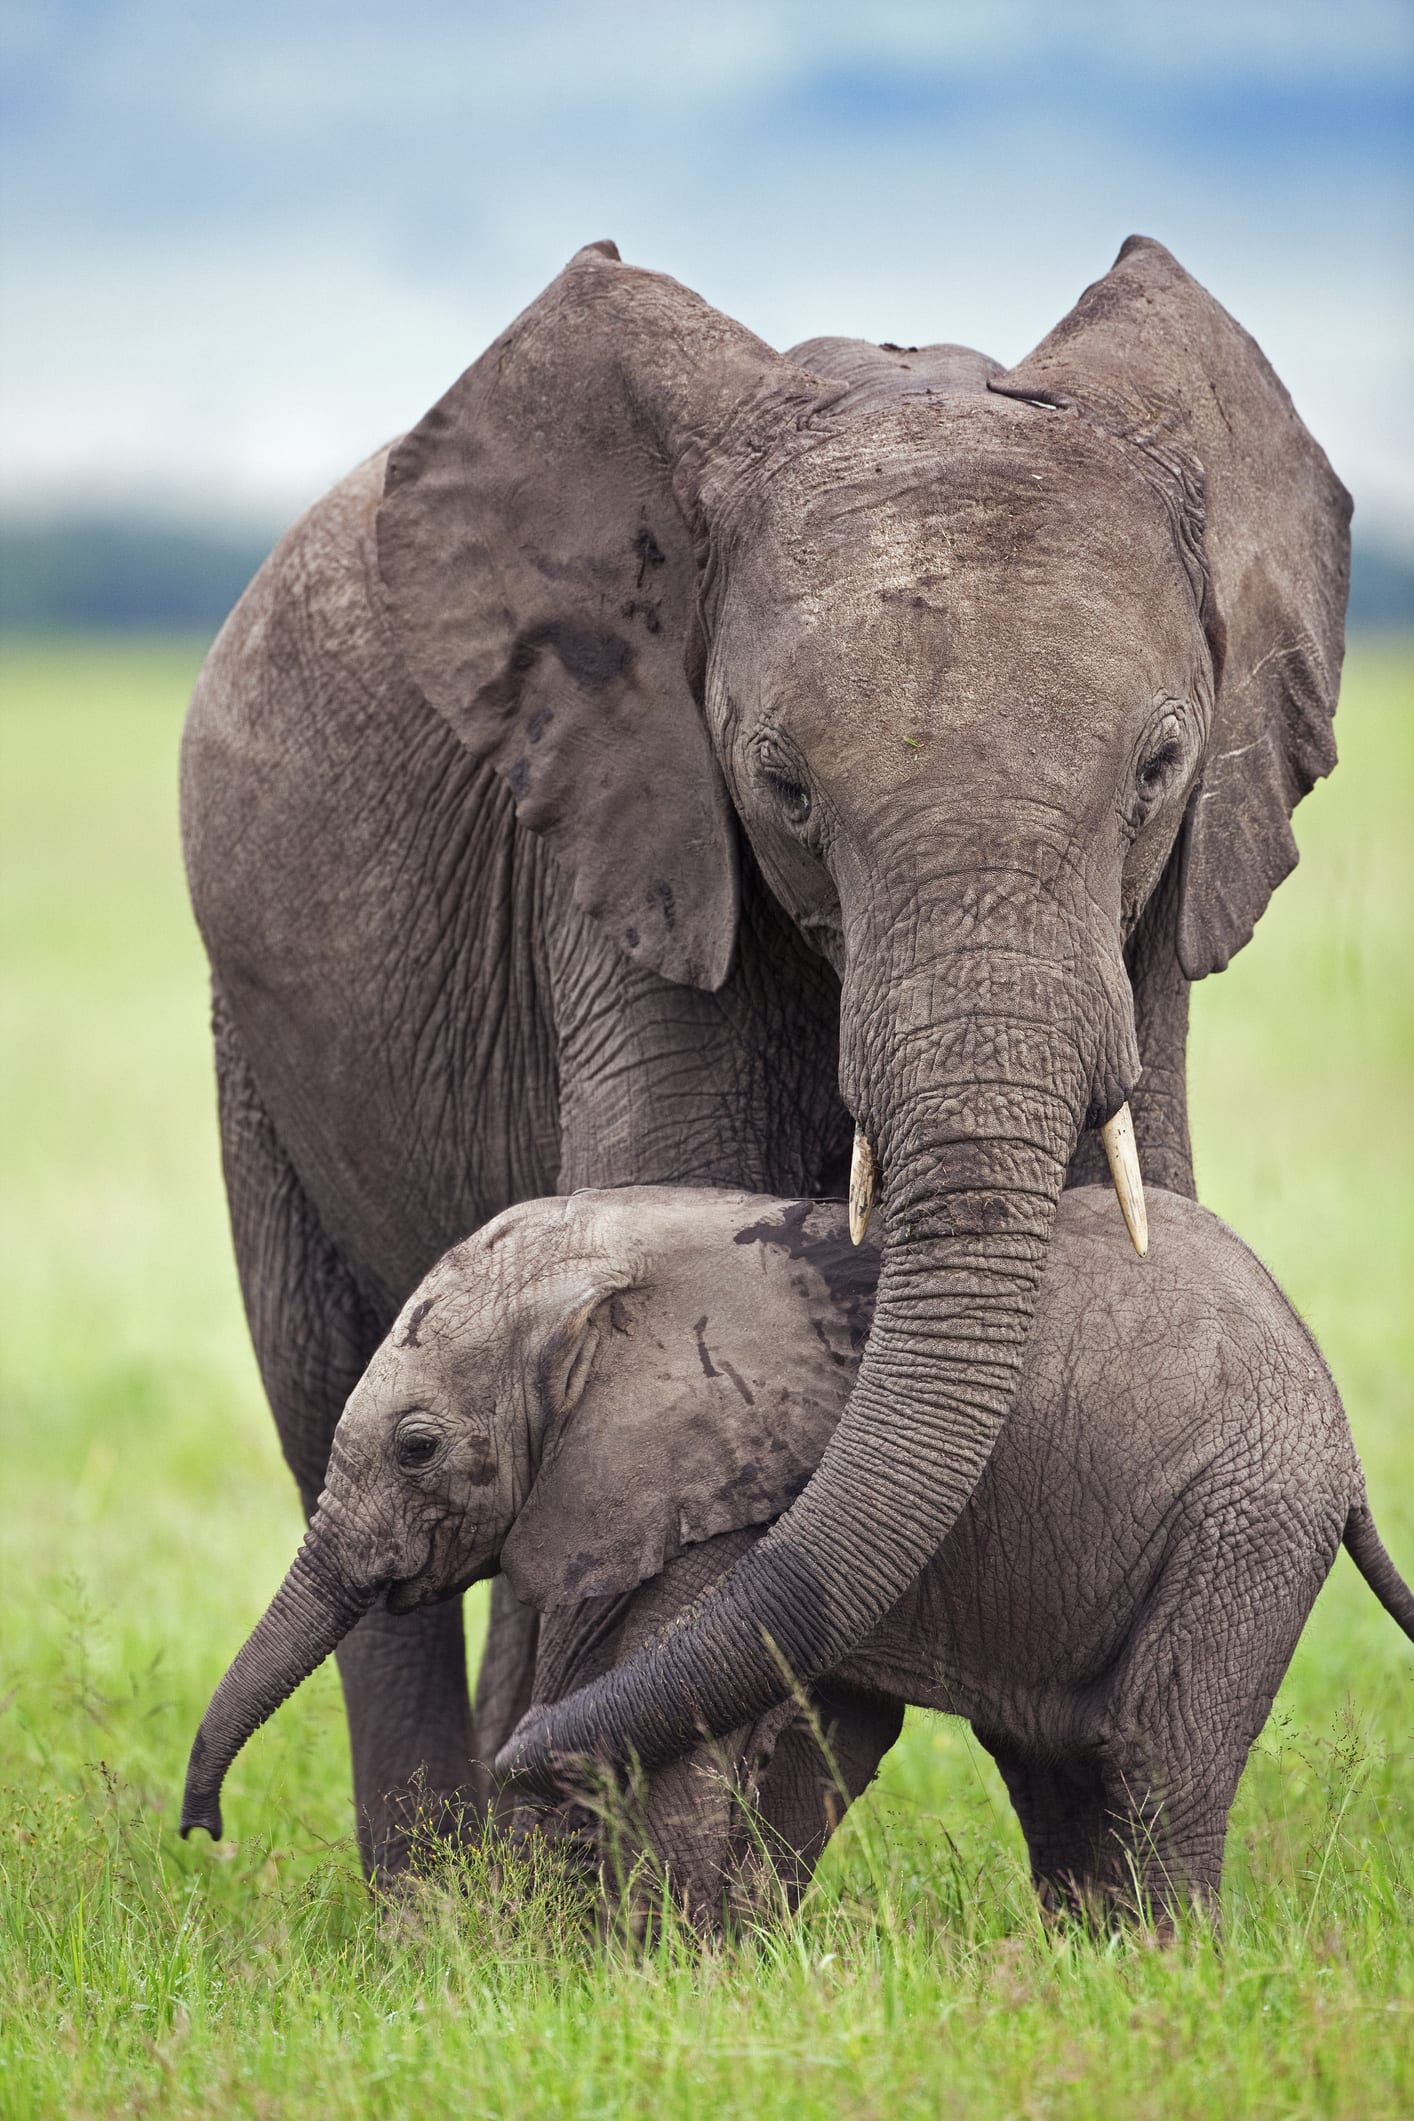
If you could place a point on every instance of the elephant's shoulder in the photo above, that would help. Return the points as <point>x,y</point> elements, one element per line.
<point>306,654</point>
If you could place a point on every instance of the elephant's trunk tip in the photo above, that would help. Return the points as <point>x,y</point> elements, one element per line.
<point>201,1811</point>
<point>201,1805</point>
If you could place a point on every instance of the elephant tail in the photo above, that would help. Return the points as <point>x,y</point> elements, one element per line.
<point>1368,1552</point>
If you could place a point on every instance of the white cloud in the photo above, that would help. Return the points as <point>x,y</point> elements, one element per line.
<point>246,243</point>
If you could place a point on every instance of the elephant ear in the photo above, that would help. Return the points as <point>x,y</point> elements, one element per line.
<point>1148,355</point>
<point>537,547</point>
<point>680,1436</point>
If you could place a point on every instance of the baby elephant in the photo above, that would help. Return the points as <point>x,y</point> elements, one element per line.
<point>609,1396</point>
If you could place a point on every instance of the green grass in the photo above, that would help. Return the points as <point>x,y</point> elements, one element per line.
<point>147,1516</point>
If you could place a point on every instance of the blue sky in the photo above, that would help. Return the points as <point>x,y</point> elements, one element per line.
<point>245,243</point>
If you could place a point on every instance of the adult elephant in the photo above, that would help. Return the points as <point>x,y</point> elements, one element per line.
<point>673,753</point>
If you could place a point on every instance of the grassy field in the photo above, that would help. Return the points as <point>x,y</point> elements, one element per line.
<point>147,1516</point>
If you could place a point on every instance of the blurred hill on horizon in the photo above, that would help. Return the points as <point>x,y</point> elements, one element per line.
<point>90,574</point>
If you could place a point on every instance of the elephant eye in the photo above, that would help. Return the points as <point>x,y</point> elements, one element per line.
<point>416,1447</point>
<point>1160,763</point>
<point>791,797</point>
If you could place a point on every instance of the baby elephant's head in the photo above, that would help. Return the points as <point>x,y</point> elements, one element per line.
<point>441,1439</point>
<point>573,1394</point>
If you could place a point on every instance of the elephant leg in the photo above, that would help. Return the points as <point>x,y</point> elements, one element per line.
<point>314,1329</point>
<point>411,1734</point>
<point>1063,1808</point>
<point>505,1684</point>
<point>1168,1826</point>
<point>1113,1835</point>
<point>822,1762</point>
<point>679,1832</point>
<point>735,1827</point>
<point>670,1832</point>
<point>1202,1668</point>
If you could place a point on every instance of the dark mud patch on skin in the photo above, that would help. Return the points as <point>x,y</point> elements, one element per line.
<point>725,1369</point>
<point>410,1339</point>
<point>850,1272</point>
<point>858,1334</point>
<point>788,1234</point>
<point>591,657</point>
<point>709,1368</point>
<point>739,1381</point>
<point>648,552</point>
<point>661,893</point>
<point>747,1483</point>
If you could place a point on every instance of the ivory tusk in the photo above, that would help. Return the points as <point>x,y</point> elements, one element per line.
<point>1117,1134</point>
<point>863,1186</point>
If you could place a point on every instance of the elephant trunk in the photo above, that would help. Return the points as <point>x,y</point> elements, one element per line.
<point>972,1070</point>
<point>308,1617</point>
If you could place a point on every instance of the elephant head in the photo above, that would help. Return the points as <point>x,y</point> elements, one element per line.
<point>961,659</point>
<point>574,1395</point>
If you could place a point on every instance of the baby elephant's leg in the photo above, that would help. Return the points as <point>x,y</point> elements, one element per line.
<point>1118,1837</point>
<point>825,1756</point>
<point>1119,1834</point>
<point>1189,1697</point>
<point>1064,1813</point>
<point>671,1833</point>
<point>737,1827</point>
<point>505,1685</point>
<point>1201,1672</point>
<point>734,1828</point>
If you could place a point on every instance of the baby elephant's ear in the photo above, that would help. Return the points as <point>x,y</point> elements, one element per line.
<point>670,1444</point>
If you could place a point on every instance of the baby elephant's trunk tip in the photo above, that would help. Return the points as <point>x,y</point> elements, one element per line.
<point>306,1620</point>
<point>201,1805</point>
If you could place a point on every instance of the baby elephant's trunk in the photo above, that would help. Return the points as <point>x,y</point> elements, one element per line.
<point>307,1618</point>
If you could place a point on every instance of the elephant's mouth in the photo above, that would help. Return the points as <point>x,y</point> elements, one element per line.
<point>406,1593</point>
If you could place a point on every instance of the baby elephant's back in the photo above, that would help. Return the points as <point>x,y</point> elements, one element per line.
<point>1162,1399</point>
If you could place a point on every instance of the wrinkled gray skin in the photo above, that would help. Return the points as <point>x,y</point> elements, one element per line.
<point>671,748</point>
<point>608,1395</point>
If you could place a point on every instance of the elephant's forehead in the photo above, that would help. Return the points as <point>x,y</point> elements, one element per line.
<point>445,1308</point>
<point>1001,551</point>
<point>394,1373</point>
<point>988,475</point>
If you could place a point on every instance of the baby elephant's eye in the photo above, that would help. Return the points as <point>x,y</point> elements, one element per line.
<point>416,1446</point>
